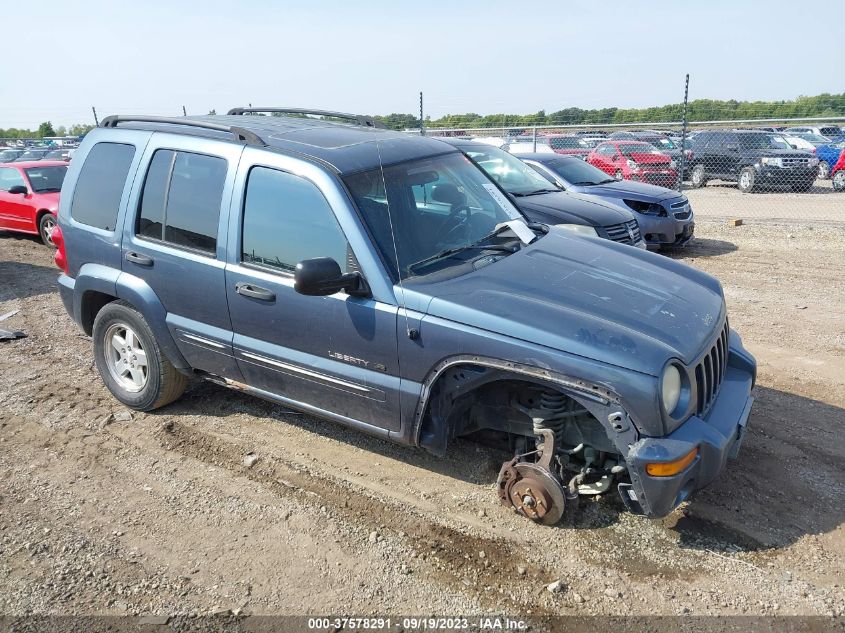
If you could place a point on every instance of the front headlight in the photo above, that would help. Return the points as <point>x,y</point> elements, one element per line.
<point>632,164</point>
<point>772,161</point>
<point>579,228</point>
<point>670,388</point>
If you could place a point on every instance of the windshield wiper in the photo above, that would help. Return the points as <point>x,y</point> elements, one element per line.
<point>449,252</point>
<point>534,193</point>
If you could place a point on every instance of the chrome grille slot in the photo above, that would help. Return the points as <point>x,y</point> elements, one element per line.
<point>796,162</point>
<point>620,232</point>
<point>710,371</point>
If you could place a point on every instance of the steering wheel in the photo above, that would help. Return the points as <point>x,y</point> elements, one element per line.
<point>452,224</point>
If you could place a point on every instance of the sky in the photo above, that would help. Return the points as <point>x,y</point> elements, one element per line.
<point>374,57</point>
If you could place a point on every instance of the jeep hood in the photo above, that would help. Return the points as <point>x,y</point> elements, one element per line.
<point>587,296</point>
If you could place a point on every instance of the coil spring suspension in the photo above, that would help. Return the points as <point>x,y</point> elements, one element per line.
<point>553,412</point>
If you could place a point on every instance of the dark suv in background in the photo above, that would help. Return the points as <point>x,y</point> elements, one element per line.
<point>754,160</point>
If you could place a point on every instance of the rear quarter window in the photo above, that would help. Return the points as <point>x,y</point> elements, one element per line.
<point>96,197</point>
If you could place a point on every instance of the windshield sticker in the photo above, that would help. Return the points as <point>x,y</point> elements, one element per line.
<point>497,196</point>
<point>520,229</point>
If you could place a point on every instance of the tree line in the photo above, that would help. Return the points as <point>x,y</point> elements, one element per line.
<point>823,105</point>
<point>46,129</point>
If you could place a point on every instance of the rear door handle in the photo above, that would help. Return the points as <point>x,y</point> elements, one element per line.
<point>254,292</point>
<point>138,258</point>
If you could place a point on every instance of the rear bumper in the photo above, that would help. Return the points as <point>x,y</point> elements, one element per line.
<point>718,436</point>
<point>66,288</point>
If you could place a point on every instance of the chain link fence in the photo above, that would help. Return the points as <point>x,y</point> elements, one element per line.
<point>755,169</point>
<point>732,160</point>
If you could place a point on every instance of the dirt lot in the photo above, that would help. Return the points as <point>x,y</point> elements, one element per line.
<point>100,513</point>
<point>723,200</point>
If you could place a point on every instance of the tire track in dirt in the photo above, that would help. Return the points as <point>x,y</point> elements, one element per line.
<point>452,557</point>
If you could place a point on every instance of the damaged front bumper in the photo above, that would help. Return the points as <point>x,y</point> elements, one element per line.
<point>717,436</point>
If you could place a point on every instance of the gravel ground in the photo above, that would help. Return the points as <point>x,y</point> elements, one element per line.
<point>109,512</point>
<point>721,199</point>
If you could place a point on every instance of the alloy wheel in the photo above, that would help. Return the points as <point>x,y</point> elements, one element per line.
<point>125,357</point>
<point>47,226</point>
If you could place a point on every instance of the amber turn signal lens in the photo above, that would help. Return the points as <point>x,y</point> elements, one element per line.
<point>667,469</point>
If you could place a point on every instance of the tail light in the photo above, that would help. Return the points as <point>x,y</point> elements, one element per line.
<point>61,255</point>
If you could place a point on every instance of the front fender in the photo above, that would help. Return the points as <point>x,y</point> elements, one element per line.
<point>603,403</point>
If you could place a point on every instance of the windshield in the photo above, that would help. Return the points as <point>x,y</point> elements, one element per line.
<point>813,138</point>
<point>763,141</point>
<point>661,142</point>
<point>33,154</point>
<point>578,172</point>
<point>435,204</point>
<point>512,174</point>
<point>637,148</point>
<point>570,142</point>
<point>46,179</point>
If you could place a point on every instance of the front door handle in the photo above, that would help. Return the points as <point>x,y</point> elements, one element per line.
<point>139,258</point>
<point>254,292</point>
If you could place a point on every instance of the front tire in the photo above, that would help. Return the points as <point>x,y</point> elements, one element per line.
<point>839,180</point>
<point>130,360</point>
<point>45,226</point>
<point>619,175</point>
<point>746,179</point>
<point>698,178</point>
<point>824,170</point>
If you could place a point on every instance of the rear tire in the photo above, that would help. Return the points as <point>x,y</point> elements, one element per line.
<point>45,225</point>
<point>698,178</point>
<point>747,176</point>
<point>839,180</point>
<point>130,360</point>
<point>824,170</point>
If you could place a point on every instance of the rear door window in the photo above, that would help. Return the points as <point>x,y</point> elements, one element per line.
<point>99,188</point>
<point>180,203</point>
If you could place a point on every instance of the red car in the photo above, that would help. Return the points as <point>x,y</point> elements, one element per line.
<point>634,160</point>
<point>837,173</point>
<point>570,144</point>
<point>29,196</point>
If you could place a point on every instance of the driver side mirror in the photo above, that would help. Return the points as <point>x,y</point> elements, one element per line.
<point>321,276</point>
<point>19,189</point>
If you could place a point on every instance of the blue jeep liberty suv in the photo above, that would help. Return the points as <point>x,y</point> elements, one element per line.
<point>383,281</point>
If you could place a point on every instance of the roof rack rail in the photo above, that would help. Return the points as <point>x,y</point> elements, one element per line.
<point>239,133</point>
<point>360,119</point>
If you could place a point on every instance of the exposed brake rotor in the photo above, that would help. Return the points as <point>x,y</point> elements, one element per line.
<point>532,490</point>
